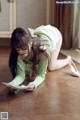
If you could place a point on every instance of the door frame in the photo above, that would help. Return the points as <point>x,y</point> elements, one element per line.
<point>12,14</point>
<point>12,18</point>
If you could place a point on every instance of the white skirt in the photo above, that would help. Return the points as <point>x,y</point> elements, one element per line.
<point>52,32</point>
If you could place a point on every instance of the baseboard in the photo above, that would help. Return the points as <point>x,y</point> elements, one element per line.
<point>75,54</point>
<point>5,42</point>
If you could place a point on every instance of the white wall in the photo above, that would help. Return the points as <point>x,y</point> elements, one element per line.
<point>29,13</point>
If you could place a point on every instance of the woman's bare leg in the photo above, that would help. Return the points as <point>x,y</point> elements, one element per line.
<point>55,63</point>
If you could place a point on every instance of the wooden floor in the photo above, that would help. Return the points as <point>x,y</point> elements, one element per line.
<point>58,98</point>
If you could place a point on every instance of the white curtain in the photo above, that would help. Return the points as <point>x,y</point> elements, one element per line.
<point>76,24</point>
<point>0,5</point>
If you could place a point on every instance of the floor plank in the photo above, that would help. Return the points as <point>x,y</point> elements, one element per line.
<point>58,98</point>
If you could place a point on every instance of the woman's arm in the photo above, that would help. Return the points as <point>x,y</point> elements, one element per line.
<point>40,72</point>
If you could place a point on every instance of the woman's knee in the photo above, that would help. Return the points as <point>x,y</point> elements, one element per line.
<point>51,68</point>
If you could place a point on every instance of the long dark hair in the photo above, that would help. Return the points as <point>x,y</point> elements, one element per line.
<point>20,38</point>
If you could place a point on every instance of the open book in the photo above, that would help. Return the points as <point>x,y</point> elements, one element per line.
<point>22,87</point>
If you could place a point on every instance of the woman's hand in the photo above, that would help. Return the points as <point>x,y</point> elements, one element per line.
<point>30,86</point>
<point>42,47</point>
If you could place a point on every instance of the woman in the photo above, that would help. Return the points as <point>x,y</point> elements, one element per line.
<point>33,51</point>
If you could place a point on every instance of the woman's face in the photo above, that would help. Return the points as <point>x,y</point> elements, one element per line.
<point>24,51</point>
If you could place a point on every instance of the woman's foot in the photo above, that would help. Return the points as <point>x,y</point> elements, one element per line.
<point>73,69</point>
